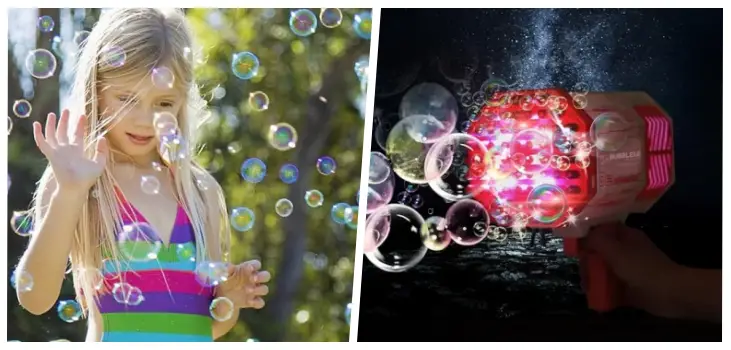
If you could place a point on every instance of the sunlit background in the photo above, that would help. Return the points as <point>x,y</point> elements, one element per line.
<point>310,83</point>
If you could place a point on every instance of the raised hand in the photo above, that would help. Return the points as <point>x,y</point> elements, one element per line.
<point>72,168</point>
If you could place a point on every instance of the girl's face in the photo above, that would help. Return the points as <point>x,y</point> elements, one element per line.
<point>133,133</point>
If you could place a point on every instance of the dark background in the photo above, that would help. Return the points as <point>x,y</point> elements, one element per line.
<point>529,291</point>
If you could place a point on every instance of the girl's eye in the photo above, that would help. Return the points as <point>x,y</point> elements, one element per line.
<point>166,104</point>
<point>126,99</point>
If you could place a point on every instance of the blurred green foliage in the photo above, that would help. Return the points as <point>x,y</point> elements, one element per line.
<point>312,86</point>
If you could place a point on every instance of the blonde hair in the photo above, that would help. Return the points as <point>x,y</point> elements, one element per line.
<point>150,38</point>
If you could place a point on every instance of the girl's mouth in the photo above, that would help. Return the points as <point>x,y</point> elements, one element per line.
<point>139,140</point>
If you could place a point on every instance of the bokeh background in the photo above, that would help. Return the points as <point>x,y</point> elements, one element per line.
<point>311,84</point>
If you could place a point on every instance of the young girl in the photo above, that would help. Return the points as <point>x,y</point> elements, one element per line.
<point>121,180</point>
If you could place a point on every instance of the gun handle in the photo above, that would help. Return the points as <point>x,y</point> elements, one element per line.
<point>603,289</point>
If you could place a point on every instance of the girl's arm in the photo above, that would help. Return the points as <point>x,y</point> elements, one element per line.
<point>47,255</point>
<point>212,196</point>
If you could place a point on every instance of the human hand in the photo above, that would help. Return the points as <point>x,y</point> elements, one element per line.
<point>245,285</point>
<point>72,168</point>
<point>647,274</point>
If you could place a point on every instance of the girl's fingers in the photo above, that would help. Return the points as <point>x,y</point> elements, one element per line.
<point>251,266</point>
<point>62,132</point>
<point>80,131</point>
<point>256,303</point>
<point>261,277</point>
<point>260,290</point>
<point>41,143</point>
<point>101,153</point>
<point>51,129</point>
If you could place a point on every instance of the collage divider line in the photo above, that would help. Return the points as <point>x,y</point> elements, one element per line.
<point>364,171</point>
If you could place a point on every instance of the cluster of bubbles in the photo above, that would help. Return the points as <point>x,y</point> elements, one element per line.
<point>254,170</point>
<point>501,171</point>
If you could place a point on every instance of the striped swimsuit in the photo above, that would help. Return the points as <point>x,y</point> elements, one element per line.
<point>172,306</point>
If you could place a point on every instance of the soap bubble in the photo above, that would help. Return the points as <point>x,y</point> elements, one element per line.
<point>245,65</point>
<point>462,218</point>
<point>379,168</point>
<point>402,248</point>
<point>302,22</point>
<point>434,233</point>
<point>139,242</point>
<point>242,219</point>
<point>362,24</point>
<point>433,100</point>
<point>331,18</point>
<point>41,63</point>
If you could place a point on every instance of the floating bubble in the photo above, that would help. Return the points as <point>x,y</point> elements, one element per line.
<point>163,78</point>
<point>580,89</point>
<point>242,219</point>
<point>56,46</point>
<point>80,38</point>
<point>456,164</point>
<point>426,128</point>
<point>495,233</point>
<point>361,68</point>
<point>380,194</point>
<point>314,198</point>
<point>282,136</point>
<point>379,168</point>
<point>416,201</point>
<point>22,281</point>
<point>302,22</point>
<point>69,311</point>
<point>258,101</point>
<point>22,108</point>
<point>376,232</point>
<point>341,213</point>
<point>348,309</point>
<point>407,154</point>
<point>185,252</point>
<point>548,203</point>
<point>221,309</point>
<point>352,219</point>
<point>331,18</point>
<point>10,126</point>
<point>284,207</point>
<point>326,165</point>
<point>289,173</point>
<point>127,294</point>
<point>402,248</point>
<point>211,274</point>
<point>434,233</point>
<point>22,223</point>
<point>150,185</point>
<point>609,132</point>
<point>253,170</point>
<point>461,219</point>
<point>139,242</point>
<point>46,24</point>
<point>362,24</point>
<point>580,101</point>
<point>115,57</point>
<point>41,63</point>
<point>531,151</point>
<point>245,65</point>
<point>433,100</point>
<point>173,149</point>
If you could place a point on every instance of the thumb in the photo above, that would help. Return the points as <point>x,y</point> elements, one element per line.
<point>102,151</point>
<point>604,240</point>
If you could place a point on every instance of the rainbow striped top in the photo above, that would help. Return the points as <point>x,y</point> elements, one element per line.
<point>167,303</point>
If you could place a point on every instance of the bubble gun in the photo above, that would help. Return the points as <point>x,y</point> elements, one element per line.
<point>610,154</point>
